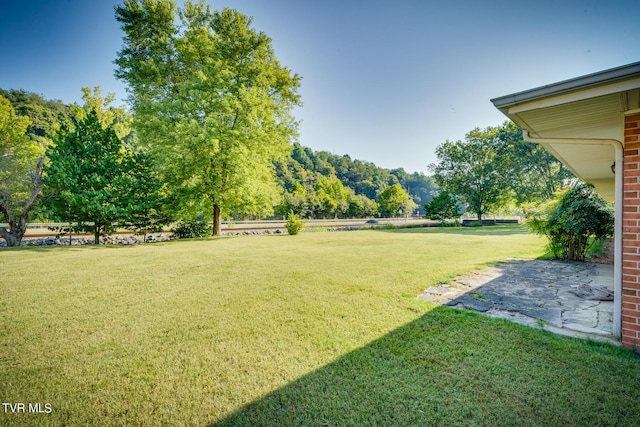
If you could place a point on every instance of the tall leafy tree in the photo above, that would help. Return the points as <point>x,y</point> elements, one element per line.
<point>211,102</point>
<point>144,210</point>
<point>473,170</point>
<point>87,177</point>
<point>442,207</point>
<point>94,176</point>
<point>533,173</point>
<point>392,199</point>
<point>21,160</point>
<point>360,206</point>
<point>331,198</point>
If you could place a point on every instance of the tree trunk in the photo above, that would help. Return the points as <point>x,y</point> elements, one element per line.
<point>479,219</point>
<point>13,237</point>
<point>217,214</point>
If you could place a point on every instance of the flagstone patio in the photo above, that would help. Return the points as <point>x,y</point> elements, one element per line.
<point>573,299</point>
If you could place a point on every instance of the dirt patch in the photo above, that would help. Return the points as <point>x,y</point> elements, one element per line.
<point>607,254</point>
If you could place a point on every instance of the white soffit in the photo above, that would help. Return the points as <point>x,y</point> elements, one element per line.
<point>591,163</point>
<point>594,118</point>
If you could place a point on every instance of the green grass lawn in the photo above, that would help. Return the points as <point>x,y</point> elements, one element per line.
<point>315,329</point>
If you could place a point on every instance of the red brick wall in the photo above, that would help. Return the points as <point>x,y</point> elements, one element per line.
<point>631,234</point>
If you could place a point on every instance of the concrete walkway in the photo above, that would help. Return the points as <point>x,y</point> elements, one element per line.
<point>573,299</point>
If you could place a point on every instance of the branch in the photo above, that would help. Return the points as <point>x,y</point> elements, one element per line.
<point>37,181</point>
<point>235,119</point>
<point>5,209</point>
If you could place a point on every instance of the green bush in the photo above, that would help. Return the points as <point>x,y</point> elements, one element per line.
<point>572,221</point>
<point>191,229</point>
<point>294,224</point>
<point>442,207</point>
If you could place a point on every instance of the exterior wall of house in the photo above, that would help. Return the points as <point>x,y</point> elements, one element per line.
<point>631,234</point>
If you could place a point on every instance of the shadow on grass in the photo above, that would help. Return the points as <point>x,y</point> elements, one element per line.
<point>488,230</point>
<point>451,367</point>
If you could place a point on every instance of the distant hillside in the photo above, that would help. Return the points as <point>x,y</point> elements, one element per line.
<point>321,184</point>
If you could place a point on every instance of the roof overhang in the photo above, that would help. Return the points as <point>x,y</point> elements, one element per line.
<point>569,119</point>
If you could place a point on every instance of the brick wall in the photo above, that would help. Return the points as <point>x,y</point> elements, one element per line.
<point>631,234</point>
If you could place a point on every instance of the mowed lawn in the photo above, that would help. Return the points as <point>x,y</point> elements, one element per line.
<point>314,329</point>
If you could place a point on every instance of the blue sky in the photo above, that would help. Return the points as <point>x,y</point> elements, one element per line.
<point>383,81</point>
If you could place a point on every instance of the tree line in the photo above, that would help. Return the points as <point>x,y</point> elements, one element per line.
<point>209,134</point>
<point>94,173</point>
<point>325,185</point>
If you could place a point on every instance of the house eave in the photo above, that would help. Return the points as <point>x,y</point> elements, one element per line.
<point>608,77</point>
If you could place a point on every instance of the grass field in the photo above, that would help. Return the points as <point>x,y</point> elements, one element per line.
<point>315,329</point>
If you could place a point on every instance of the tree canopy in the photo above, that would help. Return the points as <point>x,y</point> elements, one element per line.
<point>442,207</point>
<point>211,103</point>
<point>45,115</point>
<point>495,166</point>
<point>392,199</point>
<point>21,159</point>
<point>94,178</point>
<point>533,173</point>
<point>472,171</point>
<point>363,181</point>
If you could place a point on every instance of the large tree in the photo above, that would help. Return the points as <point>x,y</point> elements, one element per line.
<point>473,170</point>
<point>392,199</point>
<point>21,160</point>
<point>210,101</point>
<point>95,178</point>
<point>86,176</point>
<point>442,207</point>
<point>533,173</point>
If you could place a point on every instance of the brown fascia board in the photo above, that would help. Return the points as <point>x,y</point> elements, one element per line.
<point>612,75</point>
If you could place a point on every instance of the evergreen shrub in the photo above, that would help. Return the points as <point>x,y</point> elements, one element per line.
<point>294,224</point>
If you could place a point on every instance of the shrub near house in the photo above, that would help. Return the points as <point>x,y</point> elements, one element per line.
<point>570,221</point>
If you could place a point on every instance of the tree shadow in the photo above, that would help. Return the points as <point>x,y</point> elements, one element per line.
<point>487,230</point>
<point>452,367</point>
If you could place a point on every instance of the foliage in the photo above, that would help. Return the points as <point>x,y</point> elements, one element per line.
<point>421,188</point>
<point>571,219</point>
<point>442,207</point>
<point>191,229</point>
<point>494,168</point>
<point>210,101</point>
<point>330,198</point>
<point>145,210</point>
<point>299,174</point>
<point>87,177</point>
<point>392,199</point>
<point>294,224</point>
<point>96,179</point>
<point>532,172</point>
<point>45,115</point>
<point>360,206</point>
<point>21,161</point>
<point>116,117</point>
<point>472,170</point>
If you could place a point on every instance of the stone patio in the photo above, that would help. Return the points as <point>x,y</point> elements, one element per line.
<point>572,299</point>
